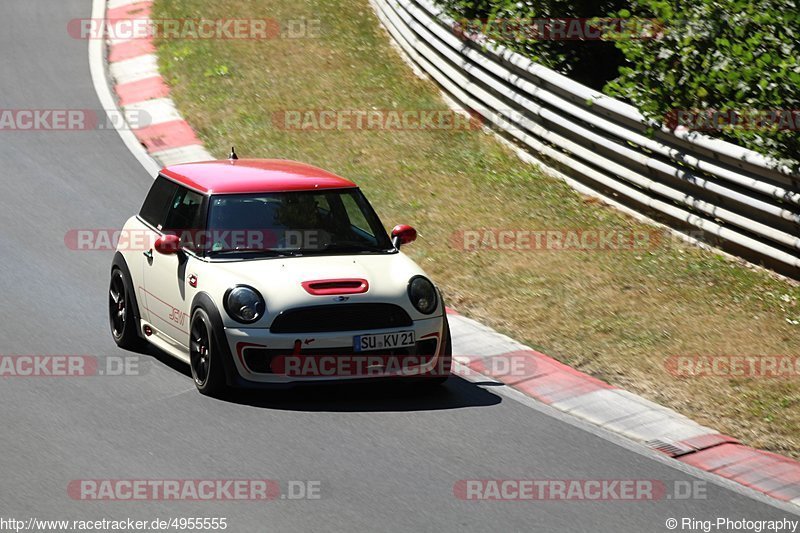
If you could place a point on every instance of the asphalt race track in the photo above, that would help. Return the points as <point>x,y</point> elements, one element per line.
<point>386,458</point>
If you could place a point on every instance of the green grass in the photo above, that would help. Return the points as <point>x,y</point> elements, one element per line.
<point>615,315</point>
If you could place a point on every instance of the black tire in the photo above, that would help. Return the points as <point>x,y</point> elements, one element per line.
<point>205,357</point>
<point>121,312</point>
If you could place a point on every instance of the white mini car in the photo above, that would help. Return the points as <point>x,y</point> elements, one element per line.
<point>259,272</point>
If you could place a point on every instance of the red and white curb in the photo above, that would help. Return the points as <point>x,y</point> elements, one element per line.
<point>543,378</point>
<point>140,90</point>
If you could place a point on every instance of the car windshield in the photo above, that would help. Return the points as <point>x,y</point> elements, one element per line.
<point>339,221</point>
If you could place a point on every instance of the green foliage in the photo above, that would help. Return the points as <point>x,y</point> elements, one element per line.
<point>737,57</point>
<point>592,63</point>
<point>726,55</point>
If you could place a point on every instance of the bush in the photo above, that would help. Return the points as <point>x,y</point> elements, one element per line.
<point>593,63</point>
<point>711,60</point>
<point>731,56</point>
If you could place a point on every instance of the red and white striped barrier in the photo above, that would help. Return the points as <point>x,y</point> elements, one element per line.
<point>534,374</point>
<point>141,90</point>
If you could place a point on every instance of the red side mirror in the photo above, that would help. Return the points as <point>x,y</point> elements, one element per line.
<point>168,244</point>
<point>403,234</point>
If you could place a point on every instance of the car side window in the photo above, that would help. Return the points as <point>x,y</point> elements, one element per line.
<point>155,207</point>
<point>185,216</point>
<point>323,207</point>
<point>356,215</point>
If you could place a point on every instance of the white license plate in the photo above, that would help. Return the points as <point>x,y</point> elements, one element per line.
<point>383,341</point>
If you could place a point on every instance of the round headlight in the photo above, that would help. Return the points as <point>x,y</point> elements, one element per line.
<point>422,294</point>
<point>244,304</point>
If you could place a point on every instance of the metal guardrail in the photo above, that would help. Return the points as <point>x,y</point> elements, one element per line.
<point>692,180</point>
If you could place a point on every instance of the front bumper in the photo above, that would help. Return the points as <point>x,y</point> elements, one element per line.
<point>262,357</point>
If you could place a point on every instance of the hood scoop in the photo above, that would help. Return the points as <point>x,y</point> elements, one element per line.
<point>333,287</point>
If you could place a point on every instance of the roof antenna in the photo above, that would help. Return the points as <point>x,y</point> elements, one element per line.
<point>233,156</point>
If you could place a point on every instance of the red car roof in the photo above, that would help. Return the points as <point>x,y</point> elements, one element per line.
<point>253,175</point>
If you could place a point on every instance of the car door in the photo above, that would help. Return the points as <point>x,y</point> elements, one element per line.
<point>151,219</point>
<point>165,274</point>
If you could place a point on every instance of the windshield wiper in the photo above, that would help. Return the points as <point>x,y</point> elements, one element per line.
<point>265,251</point>
<point>346,247</point>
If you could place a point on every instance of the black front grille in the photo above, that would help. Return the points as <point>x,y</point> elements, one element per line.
<point>344,317</point>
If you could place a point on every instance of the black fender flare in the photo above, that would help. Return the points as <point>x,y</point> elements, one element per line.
<point>119,262</point>
<point>447,343</point>
<point>204,301</point>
